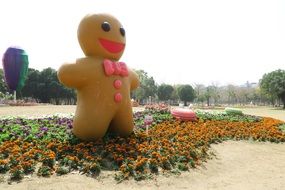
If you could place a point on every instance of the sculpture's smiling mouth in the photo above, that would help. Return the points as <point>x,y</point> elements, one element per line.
<point>111,46</point>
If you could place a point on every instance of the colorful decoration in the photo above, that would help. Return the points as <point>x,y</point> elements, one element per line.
<point>233,111</point>
<point>15,66</point>
<point>103,83</point>
<point>183,114</point>
<point>148,119</point>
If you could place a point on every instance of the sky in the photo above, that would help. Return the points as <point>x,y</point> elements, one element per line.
<point>175,41</point>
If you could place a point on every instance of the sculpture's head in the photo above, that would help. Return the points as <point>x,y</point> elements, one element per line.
<point>101,35</point>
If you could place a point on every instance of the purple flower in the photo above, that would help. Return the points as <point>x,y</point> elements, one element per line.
<point>27,133</point>
<point>39,135</point>
<point>1,129</point>
<point>69,126</point>
<point>26,127</point>
<point>44,129</point>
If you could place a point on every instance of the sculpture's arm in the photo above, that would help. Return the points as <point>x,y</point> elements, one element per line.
<point>72,75</point>
<point>134,80</point>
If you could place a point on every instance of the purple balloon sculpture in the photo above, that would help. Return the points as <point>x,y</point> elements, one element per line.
<point>15,66</point>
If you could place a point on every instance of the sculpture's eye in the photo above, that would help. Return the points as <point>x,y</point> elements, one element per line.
<point>106,26</point>
<point>122,31</point>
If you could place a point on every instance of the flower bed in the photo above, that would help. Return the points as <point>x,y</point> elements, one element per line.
<point>47,146</point>
<point>159,108</point>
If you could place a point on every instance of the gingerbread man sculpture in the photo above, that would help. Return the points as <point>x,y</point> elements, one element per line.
<point>102,83</point>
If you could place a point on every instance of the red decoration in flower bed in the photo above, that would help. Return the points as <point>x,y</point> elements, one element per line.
<point>184,114</point>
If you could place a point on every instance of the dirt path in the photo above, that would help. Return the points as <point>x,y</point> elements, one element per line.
<point>35,111</point>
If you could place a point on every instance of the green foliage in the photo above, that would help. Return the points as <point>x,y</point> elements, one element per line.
<point>31,89</point>
<point>44,171</point>
<point>62,170</point>
<point>182,166</point>
<point>212,92</point>
<point>4,166</point>
<point>200,92</point>
<point>6,96</point>
<point>282,127</point>
<point>158,115</point>
<point>45,87</point>
<point>16,173</point>
<point>273,84</point>
<point>225,116</point>
<point>35,129</point>
<point>147,86</point>
<point>3,86</point>
<point>186,93</point>
<point>164,92</point>
<point>174,94</point>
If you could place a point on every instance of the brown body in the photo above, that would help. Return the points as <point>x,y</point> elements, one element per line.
<point>97,111</point>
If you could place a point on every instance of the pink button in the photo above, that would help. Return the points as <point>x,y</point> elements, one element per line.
<point>117,84</point>
<point>118,97</point>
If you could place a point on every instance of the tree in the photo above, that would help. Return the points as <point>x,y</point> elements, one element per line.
<point>31,88</point>
<point>212,92</point>
<point>215,92</point>
<point>200,90</point>
<point>164,92</point>
<point>174,95</point>
<point>273,84</point>
<point>45,87</point>
<point>231,92</point>
<point>147,86</point>
<point>208,94</point>
<point>3,86</point>
<point>186,93</point>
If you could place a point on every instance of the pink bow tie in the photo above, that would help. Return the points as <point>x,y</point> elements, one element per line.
<point>115,68</point>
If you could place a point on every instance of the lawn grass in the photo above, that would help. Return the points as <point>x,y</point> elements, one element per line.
<point>276,113</point>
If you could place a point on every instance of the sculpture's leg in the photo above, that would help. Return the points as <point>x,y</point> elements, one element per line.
<point>122,124</point>
<point>91,126</point>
